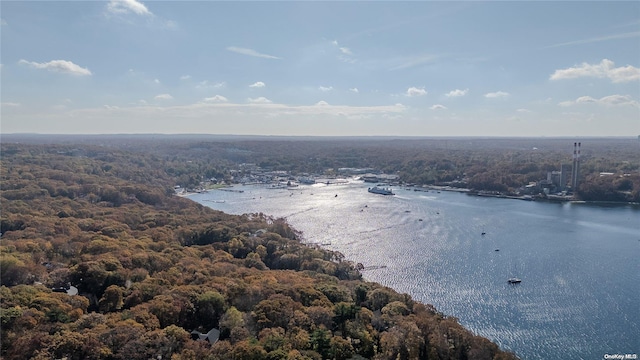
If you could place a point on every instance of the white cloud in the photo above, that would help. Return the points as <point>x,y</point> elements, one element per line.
<point>414,91</point>
<point>125,9</point>
<point>61,66</point>
<point>611,100</point>
<point>10,104</point>
<point>497,94</point>
<point>258,84</point>
<point>523,110</point>
<point>3,22</point>
<point>127,6</point>
<point>216,98</point>
<point>438,107</point>
<point>260,100</point>
<point>197,117</point>
<point>346,51</point>
<point>206,84</point>
<point>585,99</point>
<point>163,97</point>
<point>156,81</point>
<point>185,77</point>
<point>606,69</point>
<point>250,52</point>
<point>457,93</point>
<point>355,90</point>
<point>325,89</point>
<point>322,107</point>
<point>111,107</point>
<point>615,100</point>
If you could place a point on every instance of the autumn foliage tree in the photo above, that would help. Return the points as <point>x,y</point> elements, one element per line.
<point>151,267</point>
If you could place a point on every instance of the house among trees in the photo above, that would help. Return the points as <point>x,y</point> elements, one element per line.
<point>212,336</point>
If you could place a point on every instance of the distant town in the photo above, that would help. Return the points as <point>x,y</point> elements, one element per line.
<point>558,185</point>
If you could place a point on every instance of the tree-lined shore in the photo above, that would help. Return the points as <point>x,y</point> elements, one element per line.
<point>151,267</point>
<point>609,171</point>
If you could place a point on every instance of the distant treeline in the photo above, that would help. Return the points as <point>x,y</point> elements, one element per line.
<point>489,164</point>
<point>150,267</point>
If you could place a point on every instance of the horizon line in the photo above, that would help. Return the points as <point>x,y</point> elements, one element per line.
<point>326,136</point>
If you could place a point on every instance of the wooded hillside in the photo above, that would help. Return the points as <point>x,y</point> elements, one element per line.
<point>151,267</point>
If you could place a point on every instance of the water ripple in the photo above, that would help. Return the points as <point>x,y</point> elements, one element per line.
<point>580,278</point>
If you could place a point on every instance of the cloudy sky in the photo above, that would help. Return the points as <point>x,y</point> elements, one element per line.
<point>321,68</point>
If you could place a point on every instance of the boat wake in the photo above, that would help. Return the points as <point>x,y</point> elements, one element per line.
<point>300,212</point>
<point>382,228</point>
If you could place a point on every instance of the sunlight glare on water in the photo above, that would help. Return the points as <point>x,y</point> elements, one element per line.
<point>579,264</point>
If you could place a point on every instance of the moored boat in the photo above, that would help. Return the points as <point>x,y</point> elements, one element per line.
<point>381,191</point>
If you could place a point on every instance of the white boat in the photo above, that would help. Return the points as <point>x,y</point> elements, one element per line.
<point>381,191</point>
<point>307,181</point>
<point>514,280</point>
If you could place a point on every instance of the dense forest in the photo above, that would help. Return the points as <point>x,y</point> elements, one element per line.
<point>489,164</point>
<point>151,267</point>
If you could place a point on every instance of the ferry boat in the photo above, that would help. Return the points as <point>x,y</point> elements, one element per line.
<point>514,280</point>
<point>381,191</point>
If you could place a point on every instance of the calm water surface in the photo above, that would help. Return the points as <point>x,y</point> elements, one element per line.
<point>579,264</point>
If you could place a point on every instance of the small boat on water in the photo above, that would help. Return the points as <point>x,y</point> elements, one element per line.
<point>381,191</point>
<point>307,181</point>
<point>277,186</point>
<point>514,280</point>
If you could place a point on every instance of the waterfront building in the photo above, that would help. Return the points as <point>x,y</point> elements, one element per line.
<point>565,170</point>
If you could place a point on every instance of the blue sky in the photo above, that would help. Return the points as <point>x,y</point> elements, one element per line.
<point>321,68</point>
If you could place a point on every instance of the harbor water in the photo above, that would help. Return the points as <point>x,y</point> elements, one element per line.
<point>579,263</point>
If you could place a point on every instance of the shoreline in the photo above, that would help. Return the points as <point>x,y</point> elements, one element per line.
<point>370,262</point>
<point>466,191</point>
<point>361,268</point>
<point>552,199</point>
